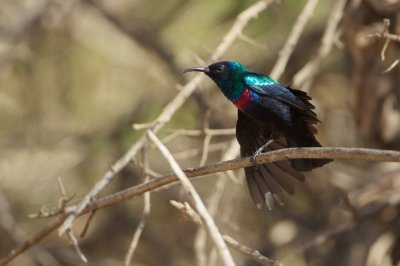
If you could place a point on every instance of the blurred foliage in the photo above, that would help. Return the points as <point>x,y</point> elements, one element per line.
<point>75,76</point>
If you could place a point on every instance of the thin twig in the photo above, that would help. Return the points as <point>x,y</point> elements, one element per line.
<point>255,255</point>
<point>385,32</point>
<point>212,206</point>
<point>145,213</point>
<point>207,139</point>
<point>393,65</point>
<point>198,203</point>
<point>71,236</point>
<point>167,113</point>
<point>388,37</point>
<point>135,191</point>
<point>86,226</point>
<point>293,38</point>
<point>74,242</point>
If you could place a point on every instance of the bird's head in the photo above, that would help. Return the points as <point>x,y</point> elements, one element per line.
<point>221,72</point>
<point>228,75</point>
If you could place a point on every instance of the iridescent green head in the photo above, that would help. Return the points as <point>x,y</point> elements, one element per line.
<point>228,75</point>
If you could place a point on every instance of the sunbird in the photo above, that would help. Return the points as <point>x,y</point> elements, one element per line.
<point>270,116</point>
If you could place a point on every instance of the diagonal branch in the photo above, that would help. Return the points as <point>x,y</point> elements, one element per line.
<point>294,36</point>
<point>135,191</point>
<point>306,75</point>
<point>205,217</point>
<point>255,255</point>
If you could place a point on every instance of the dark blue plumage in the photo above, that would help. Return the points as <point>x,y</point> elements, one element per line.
<point>268,113</point>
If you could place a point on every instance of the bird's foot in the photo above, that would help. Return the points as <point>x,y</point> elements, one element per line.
<point>260,150</point>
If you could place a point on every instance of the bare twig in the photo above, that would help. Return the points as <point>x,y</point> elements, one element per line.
<point>385,32</point>
<point>252,41</point>
<point>212,206</point>
<point>165,116</point>
<point>304,78</point>
<point>199,205</point>
<point>393,65</point>
<point>293,38</point>
<point>283,154</point>
<point>62,203</point>
<point>388,37</point>
<point>145,213</point>
<point>255,255</point>
<point>74,242</point>
<point>86,226</point>
<point>386,24</point>
<point>72,239</point>
<point>207,139</point>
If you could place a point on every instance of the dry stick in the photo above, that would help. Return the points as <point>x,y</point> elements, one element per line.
<point>145,213</point>
<point>305,76</point>
<point>198,203</point>
<point>251,253</point>
<point>293,38</point>
<point>385,32</point>
<point>273,156</point>
<point>212,206</point>
<point>38,254</point>
<point>242,20</point>
<point>388,37</point>
<point>393,65</point>
<point>74,242</point>
<point>386,24</point>
<point>72,239</point>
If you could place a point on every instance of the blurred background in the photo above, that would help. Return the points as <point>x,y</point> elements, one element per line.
<point>75,75</point>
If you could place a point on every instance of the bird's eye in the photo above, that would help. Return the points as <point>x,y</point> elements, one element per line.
<point>220,68</point>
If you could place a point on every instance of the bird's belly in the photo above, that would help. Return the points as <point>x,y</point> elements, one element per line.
<point>268,111</point>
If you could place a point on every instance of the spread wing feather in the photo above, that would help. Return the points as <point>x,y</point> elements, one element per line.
<point>266,181</point>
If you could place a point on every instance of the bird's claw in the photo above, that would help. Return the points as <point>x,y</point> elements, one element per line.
<point>260,150</point>
<point>253,158</point>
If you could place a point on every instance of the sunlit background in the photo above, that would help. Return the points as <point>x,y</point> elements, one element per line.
<point>76,75</point>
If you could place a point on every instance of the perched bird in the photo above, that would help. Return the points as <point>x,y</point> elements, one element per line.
<point>270,116</point>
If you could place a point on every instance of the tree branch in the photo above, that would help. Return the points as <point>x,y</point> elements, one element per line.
<point>294,36</point>
<point>135,191</point>
<point>205,217</point>
<point>255,255</point>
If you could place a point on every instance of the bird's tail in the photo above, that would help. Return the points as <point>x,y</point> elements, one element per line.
<point>306,140</point>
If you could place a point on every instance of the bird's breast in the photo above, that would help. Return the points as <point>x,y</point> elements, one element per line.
<point>245,101</point>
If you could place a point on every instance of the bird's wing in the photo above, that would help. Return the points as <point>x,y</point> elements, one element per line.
<point>265,181</point>
<point>267,87</point>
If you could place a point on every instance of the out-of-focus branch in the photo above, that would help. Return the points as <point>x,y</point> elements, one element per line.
<point>29,19</point>
<point>304,78</point>
<point>145,213</point>
<point>213,202</point>
<point>387,37</point>
<point>168,111</point>
<point>283,154</point>
<point>205,217</point>
<point>293,38</point>
<point>145,37</point>
<point>255,255</point>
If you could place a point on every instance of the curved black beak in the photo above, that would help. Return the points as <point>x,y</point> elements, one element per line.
<point>197,69</point>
